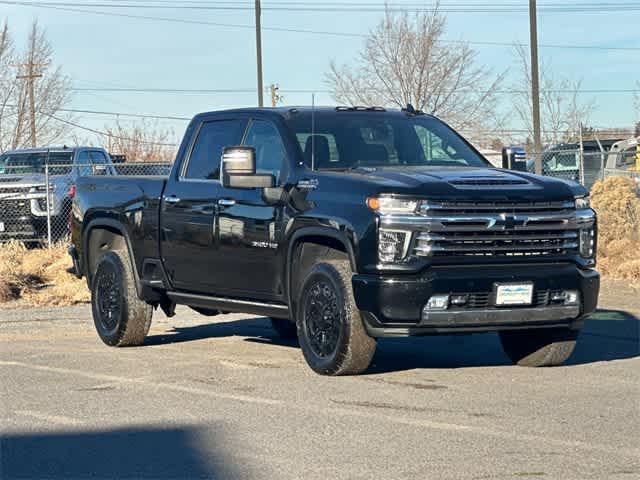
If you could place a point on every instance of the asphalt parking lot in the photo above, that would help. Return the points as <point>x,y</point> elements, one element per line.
<point>223,397</point>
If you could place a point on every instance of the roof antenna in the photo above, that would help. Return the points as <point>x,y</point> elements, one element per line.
<point>313,131</point>
<point>410,109</point>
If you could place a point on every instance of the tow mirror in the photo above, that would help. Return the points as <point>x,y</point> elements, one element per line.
<point>239,169</point>
<point>514,158</point>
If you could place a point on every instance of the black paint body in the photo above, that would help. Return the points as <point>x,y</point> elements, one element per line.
<point>244,252</point>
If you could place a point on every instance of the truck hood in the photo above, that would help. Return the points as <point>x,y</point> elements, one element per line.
<point>464,183</point>
<point>21,180</point>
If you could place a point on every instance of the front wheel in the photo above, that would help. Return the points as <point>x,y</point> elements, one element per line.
<point>330,330</point>
<point>120,317</point>
<point>539,348</point>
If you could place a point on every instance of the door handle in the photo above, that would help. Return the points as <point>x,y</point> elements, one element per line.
<point>171,199</point>
<point>226,202</point>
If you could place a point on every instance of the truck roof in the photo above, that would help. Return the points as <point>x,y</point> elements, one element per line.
<point>53,148</point>
<point>292,110</point>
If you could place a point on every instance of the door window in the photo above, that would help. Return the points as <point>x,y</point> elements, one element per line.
<point>84,163</point>
<point>204,161</point>
<point>270,153</point>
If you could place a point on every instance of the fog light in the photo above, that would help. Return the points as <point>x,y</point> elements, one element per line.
<point>566,297</point>
<point>459,300</point>
<point>437,302</point>
<point>571,297</point>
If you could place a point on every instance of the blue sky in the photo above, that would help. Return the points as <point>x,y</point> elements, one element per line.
<point>103,51</point>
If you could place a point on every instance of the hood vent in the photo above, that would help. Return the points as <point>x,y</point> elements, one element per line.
<point>487,181</point>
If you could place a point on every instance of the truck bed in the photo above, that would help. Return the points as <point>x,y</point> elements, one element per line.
<point>132,201</point>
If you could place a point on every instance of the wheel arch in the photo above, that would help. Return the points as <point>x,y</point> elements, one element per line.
<point>101,235</point>
<point>315,237</point>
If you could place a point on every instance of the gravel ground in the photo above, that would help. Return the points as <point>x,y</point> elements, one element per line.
<point>223,397</point>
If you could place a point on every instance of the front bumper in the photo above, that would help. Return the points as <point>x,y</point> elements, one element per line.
<point>392,305</point>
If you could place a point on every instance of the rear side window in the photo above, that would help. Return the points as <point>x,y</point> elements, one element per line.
<point>204,161</point>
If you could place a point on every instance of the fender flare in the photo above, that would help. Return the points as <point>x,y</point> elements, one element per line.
<point>299,236</point>
<point>119,227</point>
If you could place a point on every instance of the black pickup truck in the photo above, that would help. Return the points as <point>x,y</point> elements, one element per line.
<point>342,225</point>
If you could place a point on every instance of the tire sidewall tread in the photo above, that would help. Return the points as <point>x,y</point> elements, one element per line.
<point>135,319</point>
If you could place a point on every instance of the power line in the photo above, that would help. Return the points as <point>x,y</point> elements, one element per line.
<point>106,134</point>
<point>297,30</point>
<point>362,7</point>
<point>321,90</point>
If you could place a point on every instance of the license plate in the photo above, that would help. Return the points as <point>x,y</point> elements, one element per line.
<point>1,226</point>
<point>514,294</point>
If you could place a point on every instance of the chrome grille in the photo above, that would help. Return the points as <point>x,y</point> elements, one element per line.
<point>501,228</point>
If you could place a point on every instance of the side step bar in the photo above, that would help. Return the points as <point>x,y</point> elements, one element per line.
<point>230,304</point>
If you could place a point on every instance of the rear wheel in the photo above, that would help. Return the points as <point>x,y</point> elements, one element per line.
<point>330,329</point>
<point>120,317</point>
<point>539,348</point>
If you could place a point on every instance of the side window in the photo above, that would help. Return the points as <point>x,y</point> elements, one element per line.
<point>204,161</point>
<point>84,163</point>
<point>98,158</point>
<point>270,154</point>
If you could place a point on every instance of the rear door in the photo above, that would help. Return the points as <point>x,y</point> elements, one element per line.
<point>189,206</point>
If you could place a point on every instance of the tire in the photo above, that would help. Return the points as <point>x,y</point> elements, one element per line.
<point>539,348</point>
<point>120,317</point>
<point>286,329</point>
<point>330,330</point>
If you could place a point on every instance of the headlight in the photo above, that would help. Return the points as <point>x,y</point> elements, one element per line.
<point>582,203</point>
<point>587,242</point>
<point>393,245</point>
<point>388,205</point>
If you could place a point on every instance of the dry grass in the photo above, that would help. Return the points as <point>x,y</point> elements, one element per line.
<point>618,207</point>
<point>39,276</point>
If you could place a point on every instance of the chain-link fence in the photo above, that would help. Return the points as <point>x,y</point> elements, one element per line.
<point>578,165</point>
<point>35,199</point>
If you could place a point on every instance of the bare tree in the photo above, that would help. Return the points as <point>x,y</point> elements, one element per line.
<point>142,142</point>
<point>636,103</point>
<point>404,60</point>
<point>51,91</point>
<point>562,112</point>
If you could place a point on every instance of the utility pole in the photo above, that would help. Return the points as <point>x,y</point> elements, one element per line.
<point>535,84</point>
<point>30,77</point>
<point>259,52</point>
<point>275,98</point>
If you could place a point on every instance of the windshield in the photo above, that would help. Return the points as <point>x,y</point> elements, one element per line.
<point>347,140</point>
<point>34,162</point>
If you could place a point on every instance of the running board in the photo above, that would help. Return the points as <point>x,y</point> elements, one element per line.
<point>230,304</point>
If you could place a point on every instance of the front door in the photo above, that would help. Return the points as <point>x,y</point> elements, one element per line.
<point>249,229</point>
<point>188,214</point>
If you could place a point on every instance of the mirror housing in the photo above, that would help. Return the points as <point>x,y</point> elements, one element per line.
<point>239,169</point>
<point>514,158</point>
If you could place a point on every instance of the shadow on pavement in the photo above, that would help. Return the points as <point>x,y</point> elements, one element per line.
<point>257,330</point>
<point>607,335</point>
<point>123,453</point>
